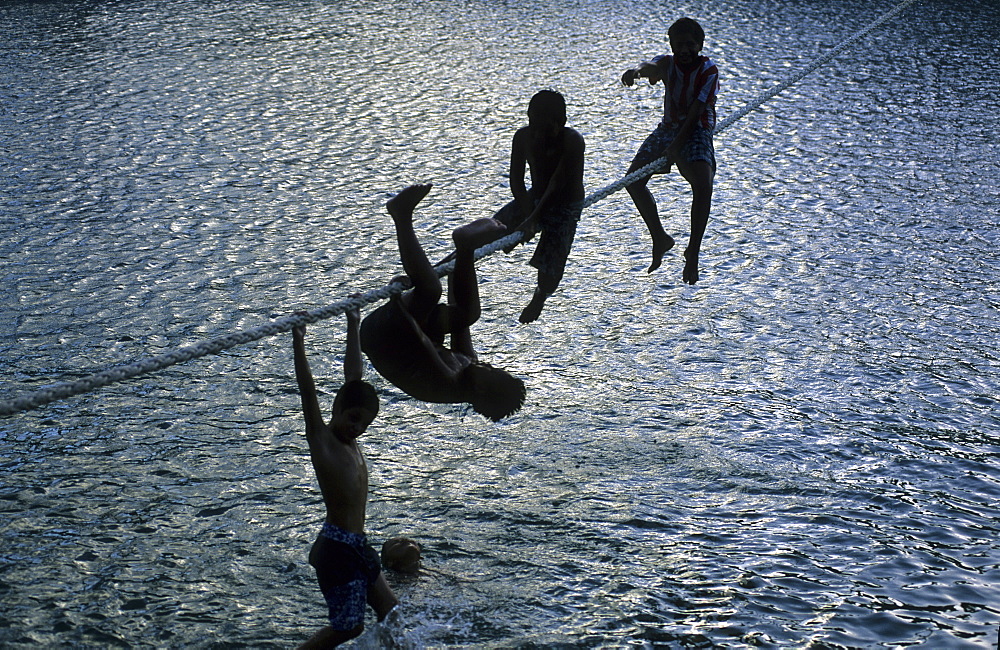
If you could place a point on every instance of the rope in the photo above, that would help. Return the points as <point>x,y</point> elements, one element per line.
<point>217,345</point>
<point>214,346</point>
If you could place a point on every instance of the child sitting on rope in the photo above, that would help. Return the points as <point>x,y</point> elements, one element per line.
<point>347,567</point>
<point>404,338</point>
<point>683,137</point>
<point>554,153</point>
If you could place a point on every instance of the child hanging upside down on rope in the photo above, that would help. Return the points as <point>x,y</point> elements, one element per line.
<point>404,338</point>
<point>683,137</point>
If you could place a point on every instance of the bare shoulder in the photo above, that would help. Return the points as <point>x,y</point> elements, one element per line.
<point>573,140</point>
<point>522,134</point>
<point>521,137</point>
<point>318,434</point>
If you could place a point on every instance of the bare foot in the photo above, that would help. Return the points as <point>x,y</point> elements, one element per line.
<point>534,308</point>
<point>660,246</point>
<point>690,269</point>
<point>401,206</point>
<point>478,233</point>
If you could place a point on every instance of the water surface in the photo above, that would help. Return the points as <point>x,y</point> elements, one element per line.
<point>800,451</point>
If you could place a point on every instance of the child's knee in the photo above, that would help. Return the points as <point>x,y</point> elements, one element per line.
<point>637,188</point>
<point>700,177</point>
<point>702,190</point>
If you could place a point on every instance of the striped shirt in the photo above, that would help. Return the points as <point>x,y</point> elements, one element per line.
<point>682,88</point>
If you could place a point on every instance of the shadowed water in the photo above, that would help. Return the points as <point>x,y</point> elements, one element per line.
<point>800,451</point>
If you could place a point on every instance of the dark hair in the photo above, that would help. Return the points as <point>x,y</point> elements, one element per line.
<point>401,554</point>
<point>549,102</point>
<point>356,393</point>
<point>495,393</point>
<point>688,26</point>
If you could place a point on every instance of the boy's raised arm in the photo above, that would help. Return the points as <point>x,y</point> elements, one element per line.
<point>354,367</point>
<point>307,387</point>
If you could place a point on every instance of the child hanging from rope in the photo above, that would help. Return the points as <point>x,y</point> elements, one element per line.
<point>404,338</point>
<point>683,137</point>
<point>554,153</point>
<point>347,567</point>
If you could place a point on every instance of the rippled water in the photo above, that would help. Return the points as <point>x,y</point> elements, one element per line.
<point>800,451</point>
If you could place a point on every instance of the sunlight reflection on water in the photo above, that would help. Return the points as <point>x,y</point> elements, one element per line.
<point>800,449</point>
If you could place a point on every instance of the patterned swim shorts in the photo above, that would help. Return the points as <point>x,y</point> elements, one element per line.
<point>346,565</point>
<point>556,240</point>
<point>699,146</point>
<point>558,229</point>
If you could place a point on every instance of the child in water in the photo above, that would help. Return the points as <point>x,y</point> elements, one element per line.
<point>347,567</point>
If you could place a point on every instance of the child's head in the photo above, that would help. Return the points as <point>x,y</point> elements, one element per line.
<point>401,554</point>
<point>495,393</point>
<point>687,27</point>
<point>686,40</point>
<point>547,109</point>
<point>354,408</point>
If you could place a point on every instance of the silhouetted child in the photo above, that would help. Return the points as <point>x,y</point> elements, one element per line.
<point>347,567</point>
<point>684,136</point>
<point>405,338</point>
<point>554,154</point>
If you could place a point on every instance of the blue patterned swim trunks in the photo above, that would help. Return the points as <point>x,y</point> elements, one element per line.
<point>699,146</point>
<point>346,565</point>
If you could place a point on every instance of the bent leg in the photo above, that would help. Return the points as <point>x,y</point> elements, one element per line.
<point>650,150</point>
<point>463,285</point>
<point>547,285</point>
<point>426,284</point>
<point>381,598</point>
<point>509,216</point>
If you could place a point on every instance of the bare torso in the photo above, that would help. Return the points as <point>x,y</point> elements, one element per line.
<point>403,353</point>
<point>343,479</point>
<point>544,157</point>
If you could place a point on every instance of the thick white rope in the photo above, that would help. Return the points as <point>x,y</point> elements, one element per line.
<point>214,346</point>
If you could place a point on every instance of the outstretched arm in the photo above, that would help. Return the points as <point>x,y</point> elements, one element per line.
<point>307,387</point>
<point>646,69</point>
<point>354,363</point>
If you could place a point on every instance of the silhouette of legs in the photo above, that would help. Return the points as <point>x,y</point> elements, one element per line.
<point>426,292</point>
<point>646,204</point>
